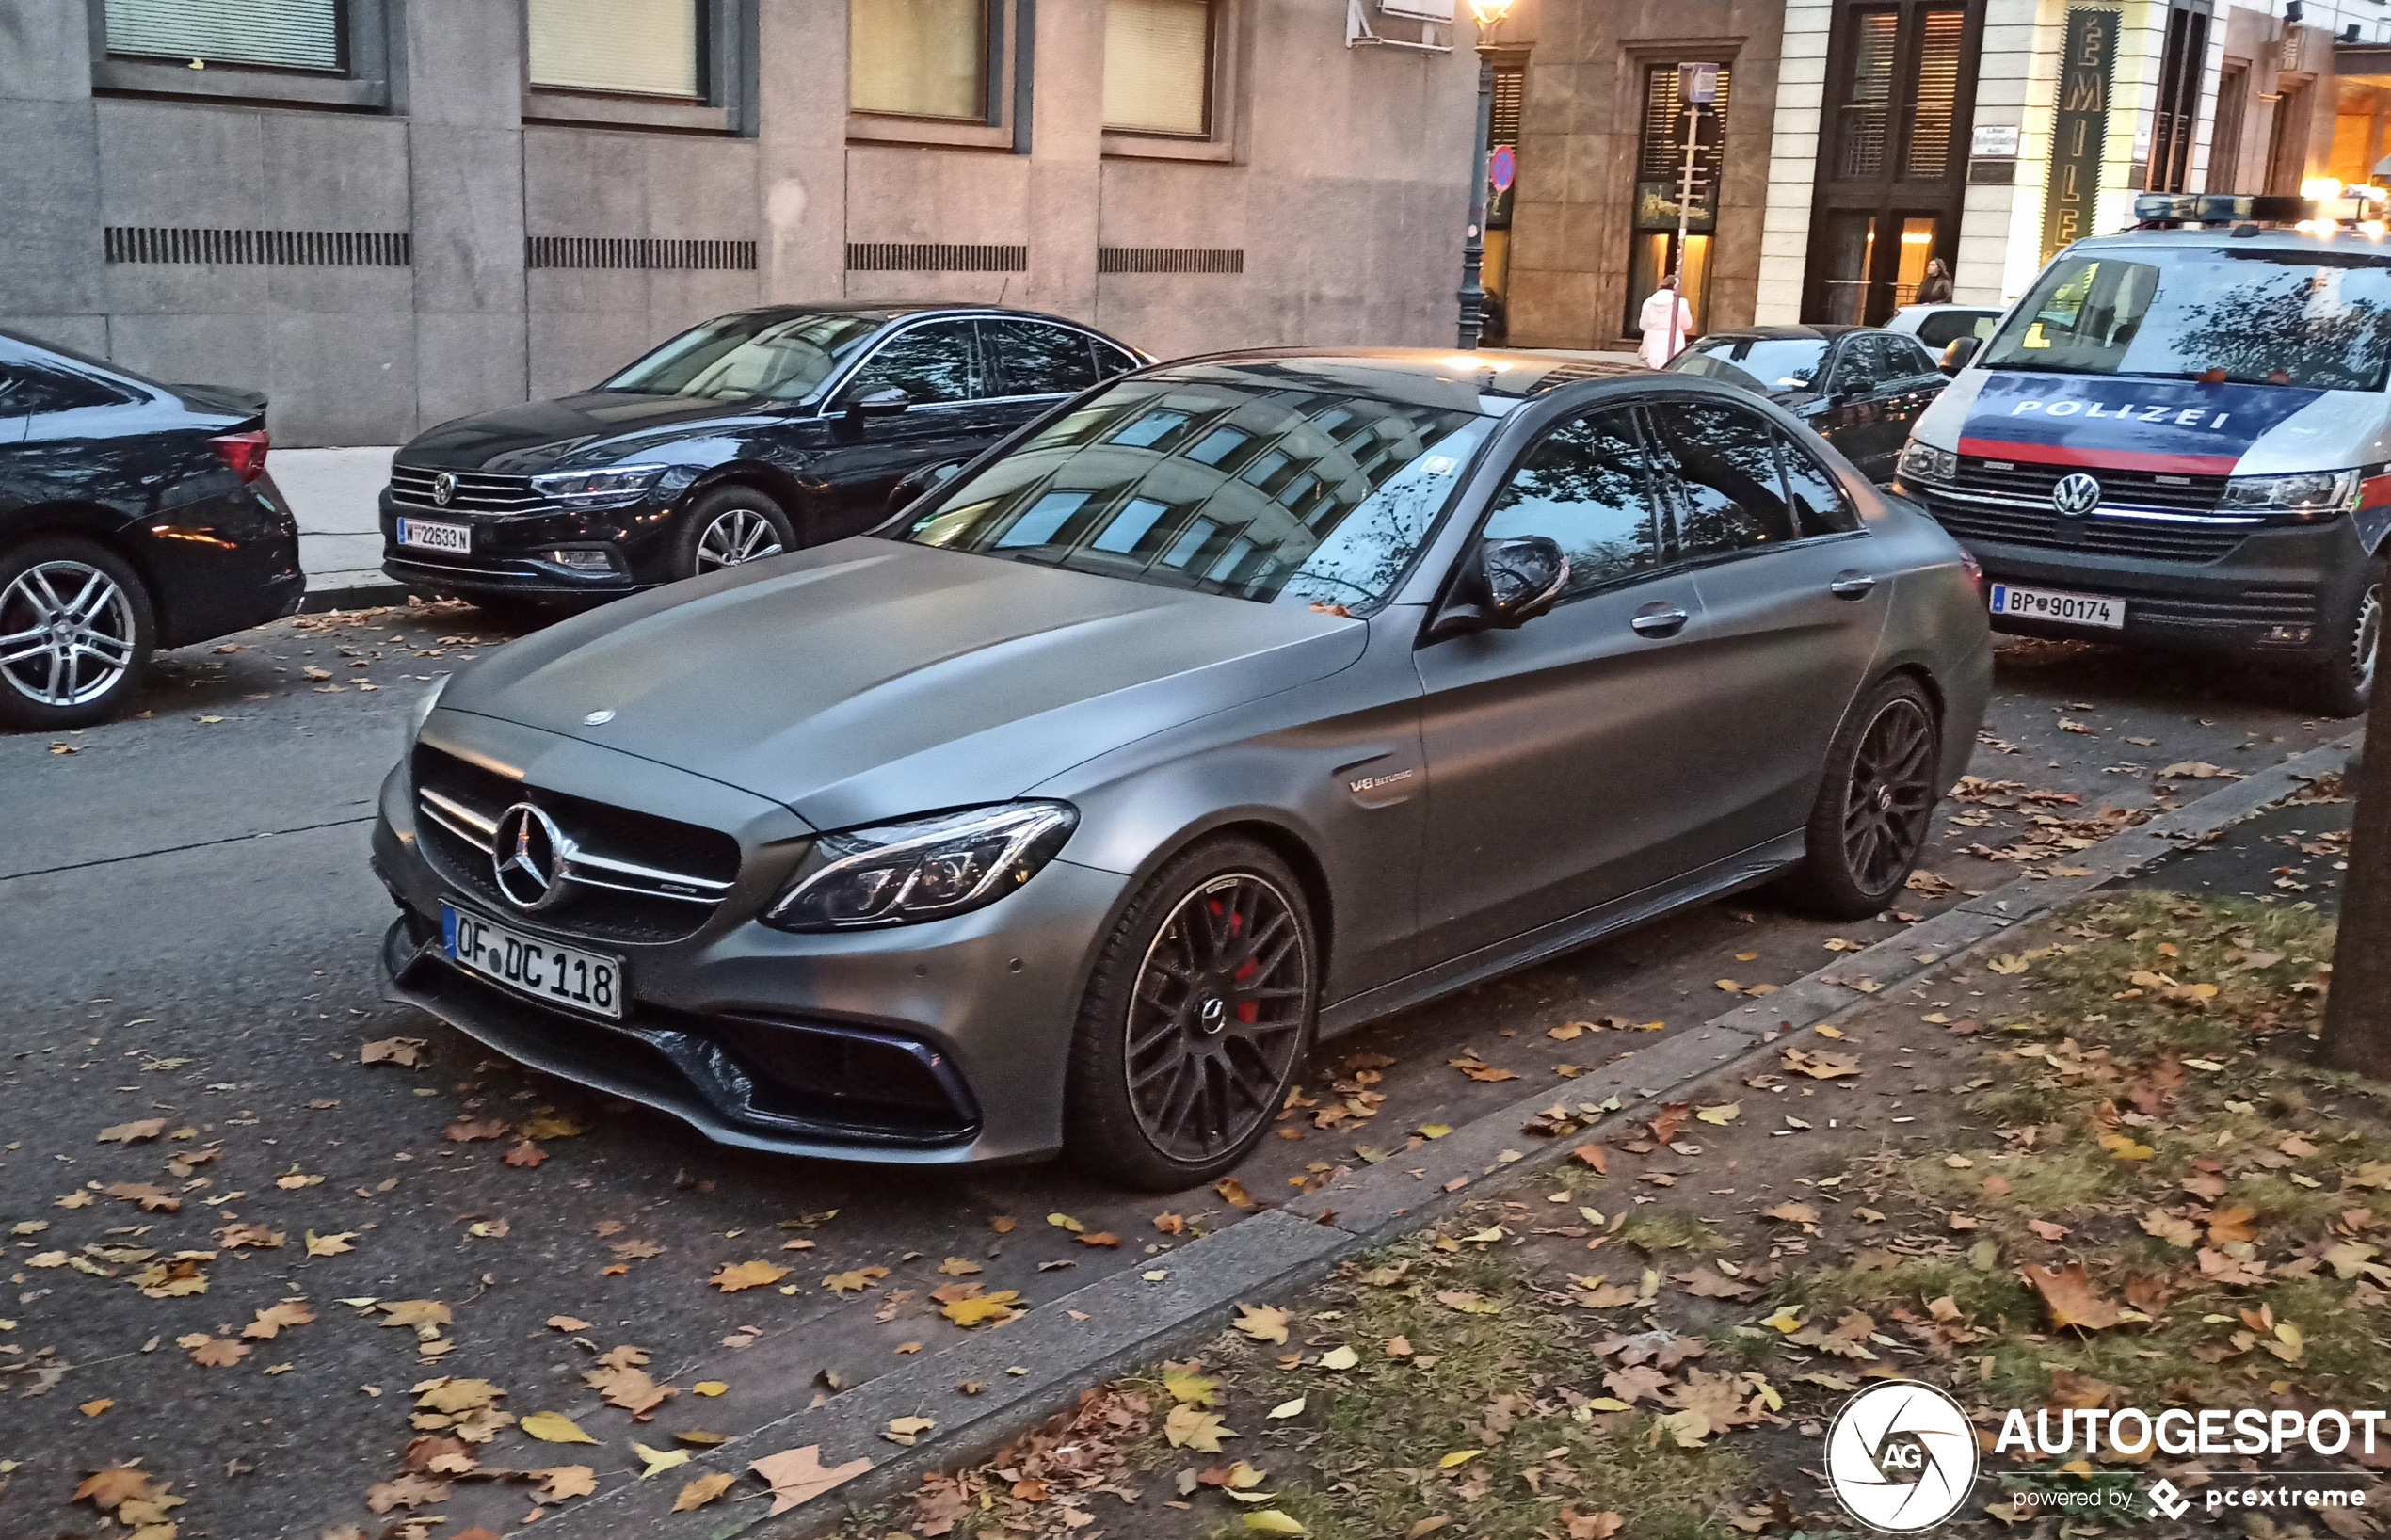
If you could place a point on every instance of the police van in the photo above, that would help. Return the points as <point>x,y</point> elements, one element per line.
<point>2179,438</point>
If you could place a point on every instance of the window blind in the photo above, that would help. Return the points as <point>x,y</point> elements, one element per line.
<point>290,34</point>
<point>636,47</point>
<point>926,59</point>
<point>1158,65</point>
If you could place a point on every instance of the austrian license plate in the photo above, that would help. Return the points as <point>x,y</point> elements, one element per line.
<point>559,975</point>
<point>424,535</point>
<point>2016,604</point>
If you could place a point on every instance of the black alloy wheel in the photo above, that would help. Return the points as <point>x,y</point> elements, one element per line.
<point>1200,1011</point>
<point>1874,805</point>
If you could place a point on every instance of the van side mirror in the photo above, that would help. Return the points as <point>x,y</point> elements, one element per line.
<point>884,402</point>
<point>1955,357</point>
<point>1501,586</point>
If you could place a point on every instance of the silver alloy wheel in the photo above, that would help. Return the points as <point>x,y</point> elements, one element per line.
<point>737,535</point>
<point>66,633</point>
<point>2365,643</point>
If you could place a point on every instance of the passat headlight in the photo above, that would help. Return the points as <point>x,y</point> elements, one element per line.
<point>1924,462</point>
<point>925,868</point>
<point>2308,494</point>
<point>607,488</point>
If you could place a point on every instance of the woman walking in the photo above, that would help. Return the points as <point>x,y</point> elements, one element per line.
<point>1665,319</point>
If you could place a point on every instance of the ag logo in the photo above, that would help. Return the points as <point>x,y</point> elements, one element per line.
<point>1901,1456</point>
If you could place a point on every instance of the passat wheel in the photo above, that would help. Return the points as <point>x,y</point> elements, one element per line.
<point>2343,683</point>
<point>730,527</point>
<point>76,632</point>
<point>1873,806</point>
<point>1200,1009</point>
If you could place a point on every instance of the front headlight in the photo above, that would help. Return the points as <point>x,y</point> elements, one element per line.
<point>607,488</point>
<point>1924,462</point>
<point>2308,495</point>
<point>925,868</point>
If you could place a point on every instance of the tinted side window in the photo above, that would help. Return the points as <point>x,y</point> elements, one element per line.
<point>1732,497</point>
<point>929,362</point>
<point>1111,360</point>
<point>1940,329</point>
<point>1586,485</point>
<point>1034,359</point>
<point>1819,506</point>
<point>43,387</point>
<point>1905,359</point>
<point>1859,365</point>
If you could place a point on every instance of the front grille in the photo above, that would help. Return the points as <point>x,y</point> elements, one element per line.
<point>476,491</point>
<point>2017,523</point>
<point>2250,608</point>
<point>2140,489</point>
<point>633,876</point>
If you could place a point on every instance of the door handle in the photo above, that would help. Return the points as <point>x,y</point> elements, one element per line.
<point>1658,618</point>
<point>1850,584</point>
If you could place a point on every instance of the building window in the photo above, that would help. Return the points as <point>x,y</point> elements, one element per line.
<point>920,58</point>
<point>1158,67</point>
<point>2179,72</point>
<point>1660,171</point>
<point>622,47</point>
<point>280,34</point>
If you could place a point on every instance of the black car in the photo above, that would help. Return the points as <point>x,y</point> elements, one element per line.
<point>752,434</point>
<point>1856,387</point>
<point>132,515</point>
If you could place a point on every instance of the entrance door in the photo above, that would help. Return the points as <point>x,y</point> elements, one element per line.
<point>1654,257</point>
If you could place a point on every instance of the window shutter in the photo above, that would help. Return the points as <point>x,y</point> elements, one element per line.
<point>290,34</point>
<point>924,58</point>
<point>1158,65</point>
<point>636,47</point>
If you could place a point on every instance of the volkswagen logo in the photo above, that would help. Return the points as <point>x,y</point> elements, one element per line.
<point>444,487</point>
<point>527,856</point>
<point>2076,495</point>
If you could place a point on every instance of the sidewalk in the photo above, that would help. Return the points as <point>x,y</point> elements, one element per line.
<point>334,493</point>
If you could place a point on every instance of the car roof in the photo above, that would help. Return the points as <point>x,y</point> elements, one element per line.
<point>1440,376</point>
<point>907,310</point>
<point>2260,240</point>
<point>1819,331</point>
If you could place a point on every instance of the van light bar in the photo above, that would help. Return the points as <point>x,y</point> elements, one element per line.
<point>2362,206</point>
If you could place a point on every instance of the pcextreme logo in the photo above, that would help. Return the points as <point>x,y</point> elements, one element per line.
<point>1900,1457</point>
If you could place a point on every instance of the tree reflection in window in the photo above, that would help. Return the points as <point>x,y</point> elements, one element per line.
<point>1256,489</point>
<point>1586,486</point>
<point>1733,495</point>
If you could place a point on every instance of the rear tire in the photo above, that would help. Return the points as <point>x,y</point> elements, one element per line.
<point>730,527</point>
<point>2342,685</point>
<point>1199,1015</point>
<point>1874,805</point>
<point>76,631</point>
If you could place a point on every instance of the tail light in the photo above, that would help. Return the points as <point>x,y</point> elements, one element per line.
<point>245,453</point>
<point>1974,569</point>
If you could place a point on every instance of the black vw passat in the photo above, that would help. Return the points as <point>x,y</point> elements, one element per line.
<point>1856,387</point>
<point>1245,699</point>
<point>132,515</point>
<point>752,434</point>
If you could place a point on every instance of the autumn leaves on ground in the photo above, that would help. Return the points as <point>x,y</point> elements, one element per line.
<point>2094,1170</point>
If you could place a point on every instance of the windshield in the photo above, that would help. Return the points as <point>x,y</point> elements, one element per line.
<point>2317,319</point>
<point>1756,363</point>
<point>1277,493</point>
<point>781,357</point>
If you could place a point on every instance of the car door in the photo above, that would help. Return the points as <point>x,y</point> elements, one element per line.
<point>1034,365</point>
<point>1852,419</point>
<point>1555,774</point>
<point>947,416</point>
<point>1792,606</point>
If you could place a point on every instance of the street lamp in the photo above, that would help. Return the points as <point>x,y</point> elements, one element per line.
<point>1490,14</point>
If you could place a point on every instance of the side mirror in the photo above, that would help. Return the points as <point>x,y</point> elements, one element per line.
<point>884,402</point>
<point>1503,585</point>
<point>1955,357</point>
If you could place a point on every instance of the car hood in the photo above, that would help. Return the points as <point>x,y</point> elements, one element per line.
<point>871,679</point>
<point>596,428</point>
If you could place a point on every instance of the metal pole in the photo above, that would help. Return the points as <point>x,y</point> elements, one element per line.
<point>1685,192</point>
<point>1473,250</point>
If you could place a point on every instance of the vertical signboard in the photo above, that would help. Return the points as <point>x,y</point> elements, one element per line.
<point>2084,78</point>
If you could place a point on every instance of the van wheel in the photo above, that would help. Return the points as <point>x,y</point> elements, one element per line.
<point>76,631</point>
<point>1874,805</point>
<point>2344,683</point>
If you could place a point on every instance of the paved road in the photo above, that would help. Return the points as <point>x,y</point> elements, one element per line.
<point>190,937</point>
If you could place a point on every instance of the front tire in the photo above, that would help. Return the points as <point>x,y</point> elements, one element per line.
<point>76,631</point>
<point>1874,805</point>
<point>730,527</point>
<point>2344,683</point>
<point>1201,1009</point>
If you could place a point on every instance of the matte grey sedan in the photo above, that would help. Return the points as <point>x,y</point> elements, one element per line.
<point>1238,702</point>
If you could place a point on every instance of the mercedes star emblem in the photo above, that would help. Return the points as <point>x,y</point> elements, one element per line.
<point>444,488</point>
<point>2076,495</point>
<point>527,854</point>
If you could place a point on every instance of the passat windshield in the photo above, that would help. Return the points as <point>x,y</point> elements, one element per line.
<point>1756,363</point>
<point>1277,493</point>
<point>2317,319</point>
<point>776,356</point>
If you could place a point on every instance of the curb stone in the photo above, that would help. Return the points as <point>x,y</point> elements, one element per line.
<point>1131,1321</point>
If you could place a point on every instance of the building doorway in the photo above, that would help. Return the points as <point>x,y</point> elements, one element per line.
<point>1874,264</point>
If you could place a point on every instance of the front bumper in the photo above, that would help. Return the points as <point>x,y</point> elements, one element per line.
<point>512,554</point>
<point>767,1040</point>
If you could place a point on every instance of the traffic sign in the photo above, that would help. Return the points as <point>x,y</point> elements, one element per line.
<point>1502,167</point>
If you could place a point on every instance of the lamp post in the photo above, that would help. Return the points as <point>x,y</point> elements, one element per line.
<point>1490,14</point>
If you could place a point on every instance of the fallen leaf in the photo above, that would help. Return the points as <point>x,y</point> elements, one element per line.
<point>330,1245</point>
<point>555,1428</point>
<point>798,1475</point>
<point>1266,1324</point>
<point>982,1308</point>
<point>855,1282</point>
<point>2174,1230</point>
<point>703,1490</point>
<point>1189,1389</point>
<point>566,1481</point>
<point>1286,1409</point>
<point>659,1460</point>
<point>466,1130</point>
<point>567,1323</point>
<point>275,1319</point>
<point>149,1195</point>
<point>1718,1117</point>
<point>1232,1193</point>
<point>1271,1521</point>
<point>526,1155</point>
<point>1340,1358</point>
<point>2068,1291</point>
<point>406,1052</point>
<point>1190,1427</point>
<point>736,1277</point>
<point>220,1352</point>
<point>133,1133</point>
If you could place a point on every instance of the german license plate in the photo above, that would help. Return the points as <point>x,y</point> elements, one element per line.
<point>558,976</point>
<point>424,535</point>
<point>2014,603</point>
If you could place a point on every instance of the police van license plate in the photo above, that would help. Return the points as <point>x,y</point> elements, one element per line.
<point>2067,609</point>
<point>557,975</point>
<point>424,535</point>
